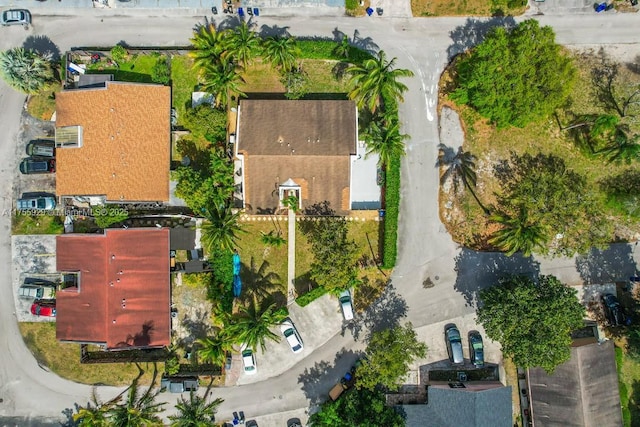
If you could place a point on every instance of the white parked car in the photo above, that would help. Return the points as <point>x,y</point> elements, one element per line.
<point>291,334</point>
<point>249,362</point>
<point>345,304</point>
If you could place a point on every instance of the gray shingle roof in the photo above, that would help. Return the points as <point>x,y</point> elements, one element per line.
<point>461,407</point>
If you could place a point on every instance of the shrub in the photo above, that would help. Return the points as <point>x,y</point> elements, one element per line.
<point>206,121</point>
<point>351,4</point>
<point>161,71</point>
<point>392,208</point>
<point>118,53</point>
<point>220,289</point>
<point>312,295</point>
<point>105,216</point>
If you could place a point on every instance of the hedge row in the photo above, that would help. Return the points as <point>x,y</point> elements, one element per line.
<point>312,295</point>
<point>325,49</point>
<point>392,208</point>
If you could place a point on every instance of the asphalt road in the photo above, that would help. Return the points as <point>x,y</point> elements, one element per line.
<point>425,249</point>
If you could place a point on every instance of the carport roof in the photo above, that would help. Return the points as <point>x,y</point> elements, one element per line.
<point>123,292</point>
<point>581,392</point>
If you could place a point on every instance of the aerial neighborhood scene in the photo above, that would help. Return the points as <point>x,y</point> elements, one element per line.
<point>326,213</point>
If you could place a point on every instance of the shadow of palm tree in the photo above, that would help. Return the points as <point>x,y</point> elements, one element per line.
<point>385,313</point>
<point>43,46</point>
<point>259,282</point>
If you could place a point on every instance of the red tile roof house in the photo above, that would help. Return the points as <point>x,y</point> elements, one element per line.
<point>306,148</point>
<point>122,298</point>
<point>113,143</point>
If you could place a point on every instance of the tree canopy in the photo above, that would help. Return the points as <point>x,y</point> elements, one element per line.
<point>558,201</point>
<point>357,408</point>
<point>533,320</point>
<point>389,354</point>
<point>515,77</point>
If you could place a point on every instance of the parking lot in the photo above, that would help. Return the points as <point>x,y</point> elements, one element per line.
<point>33,257</point>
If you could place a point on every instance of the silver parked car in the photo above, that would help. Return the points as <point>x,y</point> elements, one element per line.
<point>41,203</point>
<point>16,17</point>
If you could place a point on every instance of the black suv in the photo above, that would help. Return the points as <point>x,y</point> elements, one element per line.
<point>613,311</point>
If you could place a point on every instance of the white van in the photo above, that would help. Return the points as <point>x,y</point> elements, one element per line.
<point>345,304</point>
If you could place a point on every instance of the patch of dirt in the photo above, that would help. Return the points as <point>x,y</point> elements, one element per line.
<point>193,319</point>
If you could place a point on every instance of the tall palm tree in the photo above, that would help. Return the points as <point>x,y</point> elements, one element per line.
<point>386,141</point>
<point>622,148</point>
<point>518,233</point>
<point>376,80</point>
<point>195,412</point>
<point>252,323</point>
<point>281,52</point>
<point>221,228</point>
<point>24,70</point>
<point>95,414</point>
<point>242,45</point>
<point>223,79</point>
<point>214,349</point>
<point>208,45</point>
<point>461,168</point>
<point>138,409</point>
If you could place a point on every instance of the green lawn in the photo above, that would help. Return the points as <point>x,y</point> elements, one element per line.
<point>629,378</point>
<point>64,359</point>
<point>137,68</point>
<point>39,224</point>
<point>184,81</point>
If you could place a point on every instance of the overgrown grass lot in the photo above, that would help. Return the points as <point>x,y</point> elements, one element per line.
<point>424,8</point>
<point>39,224</point>
<point>64,359</point>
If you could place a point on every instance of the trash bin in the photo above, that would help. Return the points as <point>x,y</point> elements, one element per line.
<point>381,213</point>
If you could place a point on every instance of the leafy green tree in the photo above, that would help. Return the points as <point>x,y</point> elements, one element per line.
<point>295,82</point>
<point>223,79</point>
<point>518,234</point>
<point>220,229</point>
<point>343,49</point>
<point>357,408</point>
<point>208,45</point>
<point>281,52</point>
<point>375,81</point>
<point>557,199</point>
<point>242,45</point>
<point>622,192</point>
<point>272,238</point>
<point>335,255</point>
<point>161,71</point>
<point>118,53</point>
<point>532,320</point>
<point>214,349</point>
<point>252,324</point>
<point>204,121</point>
<point>24,70</point>
<point>389,354</point>
<point>461,168</point>
<point>386,141</point>
<point>515,77</point>
<point>195,412</point>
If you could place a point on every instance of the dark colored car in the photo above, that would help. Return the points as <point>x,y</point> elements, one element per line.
<point>294,422</point>
<point>41,148</point>
<point>613,311</point>
<point>16,17</point>
<point>39,308</point>
<point>454,344</point>
<point>33,165</point>
<point>476,349</point>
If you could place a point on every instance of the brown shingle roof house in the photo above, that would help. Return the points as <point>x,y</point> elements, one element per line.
<point>114,142</point>
<point>307,148</point>
<point>122,297</point>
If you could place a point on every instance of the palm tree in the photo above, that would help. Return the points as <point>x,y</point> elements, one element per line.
<point>95,414</point>
<point>221,229</point>
<point>518,234</point>
<point>208,45</point>
<point>623,147</point>
<point>252,323</point>
<point>386,141</point>
<point>375,81</point>
<point>214,349</point>
<point>260,281</point>
<point>138,410</point>
<point>281,52</point>
<point>24,70</point>
<point>195,412</point>
<point>343,49</point>
<point>461,167</point>
<point>242,44</point>
<point>223,79</point>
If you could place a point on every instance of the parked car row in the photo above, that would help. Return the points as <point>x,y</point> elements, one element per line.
<point>292,337</point>
<point>41,158</point>
<point>453,340</point>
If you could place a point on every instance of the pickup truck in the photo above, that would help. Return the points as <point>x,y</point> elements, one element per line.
<point>38,290</point>
<point>345,383</point>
